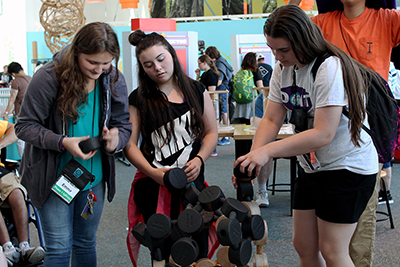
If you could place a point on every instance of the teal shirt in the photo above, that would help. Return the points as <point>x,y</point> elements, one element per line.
<point>88,124</point>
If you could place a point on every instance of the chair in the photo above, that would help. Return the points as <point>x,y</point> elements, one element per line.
<point>33,215</point>
<point>388,214</point>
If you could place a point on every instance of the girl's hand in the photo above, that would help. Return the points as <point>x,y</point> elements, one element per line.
<point>234,182</point>
<point>111,139</point>
<point>254,159</point>
<point>72,145</point>
<point>193,169</point>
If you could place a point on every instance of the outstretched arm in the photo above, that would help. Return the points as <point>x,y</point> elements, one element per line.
<point>326,122</point>
<point>9,137</point>
<point>11,100</point>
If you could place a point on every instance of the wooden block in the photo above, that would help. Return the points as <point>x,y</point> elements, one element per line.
<point>223,257</point>
<point>253,207</point>
<point>205,263</point>
<point>260,260</point>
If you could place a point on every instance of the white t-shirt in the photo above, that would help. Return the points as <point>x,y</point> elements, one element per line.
<point>327,90</point>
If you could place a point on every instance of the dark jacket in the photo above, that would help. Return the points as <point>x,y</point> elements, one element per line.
<point>40,125</point>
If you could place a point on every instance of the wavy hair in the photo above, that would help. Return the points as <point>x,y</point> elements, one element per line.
<point>93,38</point>
<point>306,39</point>
<point>153,104</point>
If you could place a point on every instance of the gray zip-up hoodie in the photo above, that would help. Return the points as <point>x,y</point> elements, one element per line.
<point>40,125</point>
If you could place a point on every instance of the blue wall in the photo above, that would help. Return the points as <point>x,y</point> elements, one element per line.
<point>213,33</point>
<point>218,33</point>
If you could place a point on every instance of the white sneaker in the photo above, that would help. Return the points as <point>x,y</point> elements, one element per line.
<point>262,198</point>
<point>32,254</point>
<point>12,255</point>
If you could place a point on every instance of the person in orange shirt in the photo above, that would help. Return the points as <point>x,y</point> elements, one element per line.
<point>368,35</point>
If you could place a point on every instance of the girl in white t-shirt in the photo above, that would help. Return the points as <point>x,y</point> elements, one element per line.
<point>338,160</point>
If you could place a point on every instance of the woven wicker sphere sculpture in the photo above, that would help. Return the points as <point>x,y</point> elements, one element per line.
<point>61,19</point>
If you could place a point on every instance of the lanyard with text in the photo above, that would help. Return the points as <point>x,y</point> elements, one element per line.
<point>73,178</point>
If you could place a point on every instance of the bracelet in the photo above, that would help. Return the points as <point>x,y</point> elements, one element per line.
<point>6,113</point>
<point>201,159</point>
<point>60,145</point>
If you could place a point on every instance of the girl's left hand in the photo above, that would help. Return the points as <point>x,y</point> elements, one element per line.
<point>111,139</point>
<point>193,169</point>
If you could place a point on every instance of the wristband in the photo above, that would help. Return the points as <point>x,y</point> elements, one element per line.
<point>201,159</point>
<point>60,145</point>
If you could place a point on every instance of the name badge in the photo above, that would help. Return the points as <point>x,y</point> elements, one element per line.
<point>73,178</point>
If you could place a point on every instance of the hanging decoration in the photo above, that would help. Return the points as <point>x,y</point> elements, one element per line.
<point>61,19</point>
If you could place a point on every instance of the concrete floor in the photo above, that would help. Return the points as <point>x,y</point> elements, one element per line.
<point>112,250</point>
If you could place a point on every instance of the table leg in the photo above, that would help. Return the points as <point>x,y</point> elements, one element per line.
<point>242,147</point>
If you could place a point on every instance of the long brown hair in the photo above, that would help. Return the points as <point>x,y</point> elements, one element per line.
<point>153,103</point>
<point>250,62</point>
<point>93,38</point>
<point>210,63</point>
<point>291,23</point>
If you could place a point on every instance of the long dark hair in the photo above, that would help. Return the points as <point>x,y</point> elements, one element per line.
<point>292,23</point>
<point>93,38</point>
<point>153,104</point>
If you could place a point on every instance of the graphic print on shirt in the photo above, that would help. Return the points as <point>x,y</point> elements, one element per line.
<point>368,48</point>
<point>296,97</point>
<point>264,71</point>
<point>177,152</point>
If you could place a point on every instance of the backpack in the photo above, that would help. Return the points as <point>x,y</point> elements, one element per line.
<point>242,83</point>
<point>383,116</point>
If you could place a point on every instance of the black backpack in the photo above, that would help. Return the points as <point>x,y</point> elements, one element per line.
<point>383,115</point>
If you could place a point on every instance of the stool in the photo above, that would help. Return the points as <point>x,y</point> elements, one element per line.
<point>388,214</point>
<point>293,175</point>
<point>271,187</point>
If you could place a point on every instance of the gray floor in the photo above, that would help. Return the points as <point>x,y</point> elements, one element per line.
<point>112,231</point>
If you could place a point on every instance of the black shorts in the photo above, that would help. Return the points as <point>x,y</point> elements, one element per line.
<point>338,196</point>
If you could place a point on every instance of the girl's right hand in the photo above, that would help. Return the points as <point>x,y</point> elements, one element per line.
<point>72,145</point>
<point>158,174</point>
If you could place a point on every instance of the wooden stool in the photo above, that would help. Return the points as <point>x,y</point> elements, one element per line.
<point>388,214</point>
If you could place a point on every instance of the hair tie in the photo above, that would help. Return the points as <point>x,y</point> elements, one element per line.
<point>201,159</point>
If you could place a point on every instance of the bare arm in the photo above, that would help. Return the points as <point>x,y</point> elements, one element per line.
<point>133,153</point>
<point>11,100</point>
<point>212,88</point>
<point>325,125</point>
<point>209,141</point>
<point>9,137</point>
